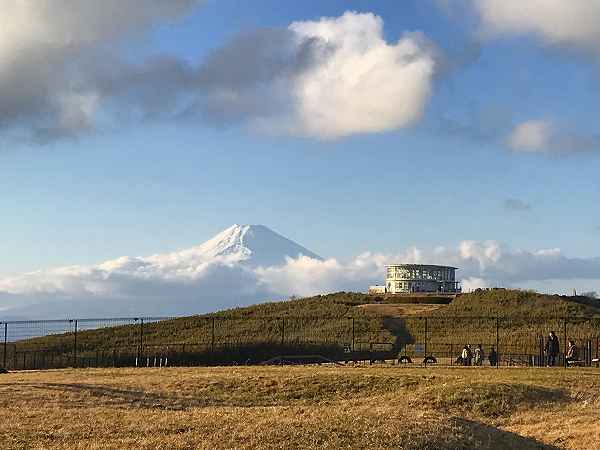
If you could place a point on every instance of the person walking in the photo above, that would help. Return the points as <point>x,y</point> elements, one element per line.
<point>479,355</point>
<point>551,349</point>
<point>493,358</point>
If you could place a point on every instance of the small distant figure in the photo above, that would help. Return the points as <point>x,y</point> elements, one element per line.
<point>478,355</point>
<point>466,355</point>
<point>493,358</point>
<point>572,352</point>
<point>551,349</point>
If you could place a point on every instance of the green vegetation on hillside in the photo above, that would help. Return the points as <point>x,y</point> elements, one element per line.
<point>326,324</point>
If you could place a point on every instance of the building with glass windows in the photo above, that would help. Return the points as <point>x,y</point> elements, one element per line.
<point>409,278</point>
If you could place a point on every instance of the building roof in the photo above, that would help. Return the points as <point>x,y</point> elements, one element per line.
<point>422,265</point>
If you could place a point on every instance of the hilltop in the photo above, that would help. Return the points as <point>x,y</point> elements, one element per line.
<point>326,323</point>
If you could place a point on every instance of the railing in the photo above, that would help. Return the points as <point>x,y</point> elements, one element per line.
<point>186,341</point>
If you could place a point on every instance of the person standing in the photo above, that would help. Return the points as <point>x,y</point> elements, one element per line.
<point>551,349</point>
<point>572,352</point>
<point>466,355</point>
<point>479,355</point>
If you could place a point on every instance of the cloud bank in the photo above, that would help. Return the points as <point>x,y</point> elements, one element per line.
<point>63,74</point>
<point>179,284</point>
<point>322,79</point>
<point>48,53</point>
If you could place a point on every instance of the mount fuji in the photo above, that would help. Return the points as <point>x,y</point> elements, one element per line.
<point>222,272</point>
<point>251,245</point>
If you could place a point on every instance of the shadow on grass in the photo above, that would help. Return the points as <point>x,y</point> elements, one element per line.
<point>477,435</point>
<point>397,327</point>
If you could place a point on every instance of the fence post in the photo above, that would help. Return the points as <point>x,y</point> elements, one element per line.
<point>565,342</point>
<point>141,338</point>
<point>5,343</point>
<point>497,342</point>
<point>353,334</point>
<point>212,337</point>
<point>425,347</point>
<point>75,346</point>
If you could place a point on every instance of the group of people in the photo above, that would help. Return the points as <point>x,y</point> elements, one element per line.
<point>476,357</point>
<point>469,357</point>
<point>552,350</point>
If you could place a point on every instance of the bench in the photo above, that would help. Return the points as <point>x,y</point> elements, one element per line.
<point>429,360</point>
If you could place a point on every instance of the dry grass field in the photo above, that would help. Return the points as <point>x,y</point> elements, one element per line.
<point>399,309</point>
<point>301,407</point>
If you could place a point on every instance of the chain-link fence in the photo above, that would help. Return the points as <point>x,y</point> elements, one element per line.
<point>186,341</point>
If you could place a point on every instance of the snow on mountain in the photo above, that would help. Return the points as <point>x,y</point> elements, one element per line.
<point>255,245</point>
<point>249,245</point>
<point>222,269</point>
<point>245,264</point>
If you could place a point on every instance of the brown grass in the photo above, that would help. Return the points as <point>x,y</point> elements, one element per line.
<point>399,310</point>
<point>301,407</point>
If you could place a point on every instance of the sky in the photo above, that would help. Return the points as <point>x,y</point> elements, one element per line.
<point>348,126</point>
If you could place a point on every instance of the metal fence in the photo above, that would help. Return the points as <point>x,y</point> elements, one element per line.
<point>187,341</point>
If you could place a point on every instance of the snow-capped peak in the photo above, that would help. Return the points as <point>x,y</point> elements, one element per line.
<point>255,245</point>
<point>250,245</point>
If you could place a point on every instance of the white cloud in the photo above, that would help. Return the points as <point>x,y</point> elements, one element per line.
<point>473,283</point>
<point>60,24</point>
<point>563,22</point>
<point>61,70</point>
<point>179,283</point>
<point>324,79</point>
<point>544,136</point>
<point>365,84</point>
<point>531,136</point>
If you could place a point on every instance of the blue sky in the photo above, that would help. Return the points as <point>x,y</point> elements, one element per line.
<point>153,186</point>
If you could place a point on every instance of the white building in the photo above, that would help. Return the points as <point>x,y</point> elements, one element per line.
<point>408,278</point>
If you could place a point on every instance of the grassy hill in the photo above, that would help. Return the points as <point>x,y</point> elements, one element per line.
<point>326,324</point>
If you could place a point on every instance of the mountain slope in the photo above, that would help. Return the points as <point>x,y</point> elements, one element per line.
<point>254,245</point>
